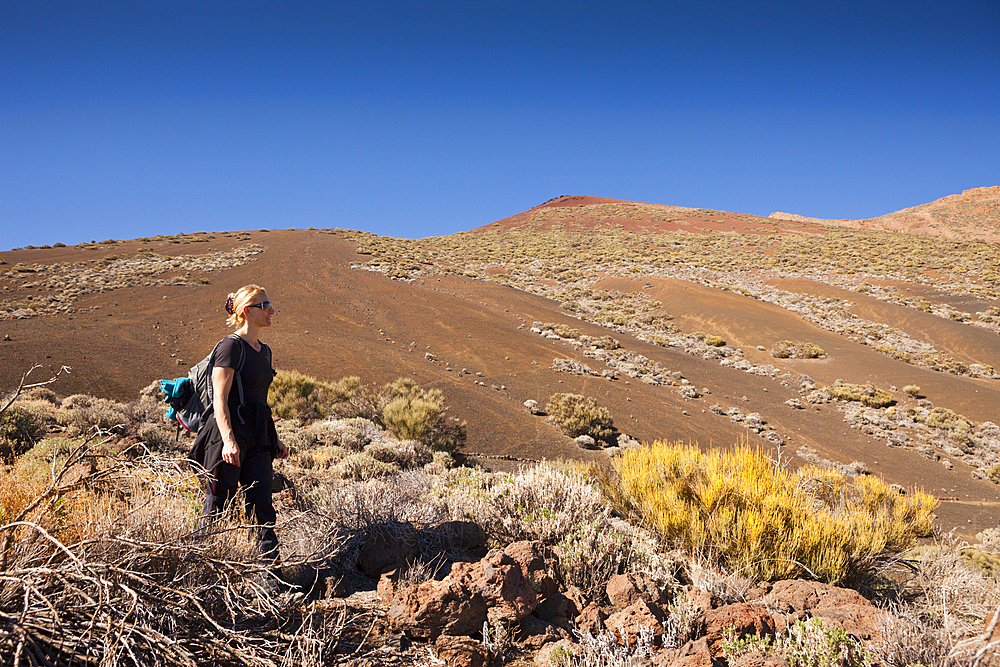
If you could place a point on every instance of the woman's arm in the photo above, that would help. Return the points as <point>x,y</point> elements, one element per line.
<point>222,382</point>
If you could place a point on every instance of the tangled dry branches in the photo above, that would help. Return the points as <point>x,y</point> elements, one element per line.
<point>138,586</point>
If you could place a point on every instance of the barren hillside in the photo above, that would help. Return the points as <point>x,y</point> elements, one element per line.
<point>974,214</point>
<point>697,304</point>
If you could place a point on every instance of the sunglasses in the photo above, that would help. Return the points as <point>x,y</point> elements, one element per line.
<point>263,305</point>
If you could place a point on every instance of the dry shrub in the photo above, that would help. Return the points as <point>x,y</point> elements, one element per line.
<point>353,434</point>
<point>580,415</point>
<point>77,401</point>
<point>405,454</point>
<point>912,389</point>
<point>786,349</point>
<point>363,466</point>
<point>106,565</point>
<point>946,419</point>
<point>322,457</point>
<point>867,394</point>
<point>761,521</point>
<point>601,342</point>
<point>561,330</point>
<point>945,607</point>
<point>100,414</point>
<point>558,509</point>
<point>42,394</point>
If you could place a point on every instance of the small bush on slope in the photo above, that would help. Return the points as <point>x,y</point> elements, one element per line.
<point>580,415</point>
<point>867,394</point>
<point>20,428</point>
<point>294,395</point>
<point>413,413</point>
<point>786,349</point>
<point>761,521</point>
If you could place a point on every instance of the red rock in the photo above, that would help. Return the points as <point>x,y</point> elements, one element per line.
<point>387,585</point>
<point>624,590</point>
<point>539,565</point>
<point>591,619</point>
<point>493,589</point>
<point>693,654</point>
<point>436,608</point>
<point>799,595</point>
<point>862,621</point>
<point>742,618</point>
<point>557,609</point>
<point>629,621</point>
<point>700,601</point>
<point>461,652</point>
<point>758,660</point>
<point>535,633</point>
<point>389,549</point>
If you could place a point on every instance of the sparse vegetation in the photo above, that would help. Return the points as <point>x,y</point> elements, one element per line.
<point>805,643</point>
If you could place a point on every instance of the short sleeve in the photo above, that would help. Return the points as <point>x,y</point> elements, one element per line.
<point>227,355</point>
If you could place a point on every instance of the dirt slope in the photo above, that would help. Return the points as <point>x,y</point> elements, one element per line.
<point>974,214</point>
<point>473,340</point>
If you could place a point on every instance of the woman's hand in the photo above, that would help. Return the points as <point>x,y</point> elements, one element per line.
<point>282,450</point>
<point>231,453</point>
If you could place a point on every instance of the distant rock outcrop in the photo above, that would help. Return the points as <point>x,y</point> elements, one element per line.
<point>974,214</point>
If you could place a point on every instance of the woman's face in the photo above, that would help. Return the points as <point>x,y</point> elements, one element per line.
<point>260,310</point>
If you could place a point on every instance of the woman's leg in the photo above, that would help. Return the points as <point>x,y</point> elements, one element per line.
<point>220,489</point>
<point>256,477</point>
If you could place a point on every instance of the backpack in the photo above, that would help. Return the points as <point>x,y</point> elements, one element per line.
<point>190,398</point>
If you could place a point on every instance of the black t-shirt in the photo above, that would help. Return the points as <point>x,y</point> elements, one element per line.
<point>256,373</point>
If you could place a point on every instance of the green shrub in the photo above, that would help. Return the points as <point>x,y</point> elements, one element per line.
<point>579,415</point>
<point>294,395</point>
<point>804,644</point>
<point>867,394</point>
<point>413,413</point>
<point>715,341</point>
<point>20,429</point>
<point>948,420</point>
<point>762,521</point>
<point>986,563</point>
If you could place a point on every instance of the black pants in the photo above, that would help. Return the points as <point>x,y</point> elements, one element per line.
<point>254,475</point>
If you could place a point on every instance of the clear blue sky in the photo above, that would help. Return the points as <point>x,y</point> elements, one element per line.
<point>121,119</point>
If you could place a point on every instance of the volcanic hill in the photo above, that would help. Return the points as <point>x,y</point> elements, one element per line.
<point>687,324</point>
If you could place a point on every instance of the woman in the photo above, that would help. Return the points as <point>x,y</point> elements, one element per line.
<point>241,440</point>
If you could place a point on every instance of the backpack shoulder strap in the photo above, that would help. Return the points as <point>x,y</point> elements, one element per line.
<point>239,369</point>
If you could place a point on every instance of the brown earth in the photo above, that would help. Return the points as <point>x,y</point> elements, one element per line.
<point>974,214</point>
<point>334,320</point>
